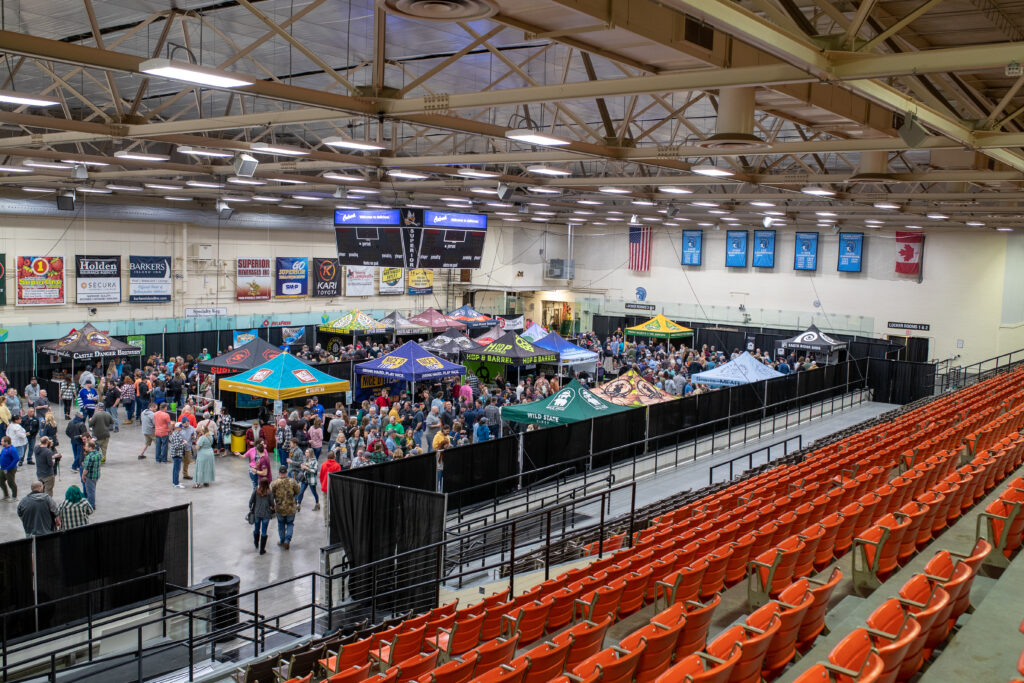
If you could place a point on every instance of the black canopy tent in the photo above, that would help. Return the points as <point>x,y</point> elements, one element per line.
<point>813,340</point>
<point>88,343</point>
<point>450,343</point>
<point>245,357</point>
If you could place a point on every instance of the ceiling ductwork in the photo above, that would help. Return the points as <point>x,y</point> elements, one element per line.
<point>735,126</point>
<point>873,168</point>
<point>441,10</point>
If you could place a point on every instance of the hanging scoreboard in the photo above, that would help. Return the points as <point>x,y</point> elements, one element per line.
<point>409,238</point>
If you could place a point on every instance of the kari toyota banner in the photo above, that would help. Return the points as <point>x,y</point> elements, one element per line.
<point>292,277</point>
<point>693,242</point>
<point>326,277</point>
<point>149,278</point>
<point>359,280</point>
<point>806,255</point>
<point>851,245</point>
<point>253,281</point>
<point>97,279</point>
<point>392,280</point>
<point>764,249</point>
<point>736,249</point>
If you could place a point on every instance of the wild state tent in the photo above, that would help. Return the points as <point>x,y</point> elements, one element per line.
<point>402,326</point>
<point>630,389</point>
<point>660,327</point>
<point>88,343</point>
<point>472,318</point>
<point>283,377</point>
<point>410,362</point>
<point>534,332</point>
<point>437,321</point>
<point>743,369</point>
<point>568,353</point>
<point>572,403</point>
<point>503,354</point>
<point>449,343</point>
<point>813,339</point>
<point>241,358</point>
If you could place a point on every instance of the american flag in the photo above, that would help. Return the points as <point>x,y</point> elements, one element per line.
<point>639,247</point>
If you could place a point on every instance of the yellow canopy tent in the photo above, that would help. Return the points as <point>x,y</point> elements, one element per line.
<point>661,327</point>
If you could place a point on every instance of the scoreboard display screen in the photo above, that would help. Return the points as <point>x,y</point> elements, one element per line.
<point>410,238</point>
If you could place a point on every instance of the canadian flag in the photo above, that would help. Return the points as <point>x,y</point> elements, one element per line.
<point>908,252</point>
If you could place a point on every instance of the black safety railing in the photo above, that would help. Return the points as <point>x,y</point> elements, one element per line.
<point>965,375</point>
<point>761,456</point>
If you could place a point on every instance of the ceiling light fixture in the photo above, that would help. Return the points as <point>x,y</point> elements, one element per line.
<point>38,189</point>
<point>94,190</point>
<point>266,148</point>
<point>705,204</point>
<point>589,202</point>
<point>290,206</point>
<point>6,168</point>
<point>537,189</point>
<point>140,156</point>
<point>533,137</point>
<point>408,175</point>
<point>763,204</point>
<point>178,199</point>
<point>484,190</point>
<point>193,73</point>
<point>76,162</point>
<point>548,170</point>
<point>124,188</point>
<point>610,189</point>
<point>886,205</point>
<point>357,145</point>
<point>818,191</point>
<point>1004,229</point>
<point>204,152</point>
<point>307,197</point>
<point>825,213</point>
<point>209,184</point>
<point>238,180</point>
<point>265,198</point>
<point>642,202</point>
<point>162,186</point>
<point>711,171</point>
<point>344,177</point>
<point>937,216</point>
<point>974,224</point>
<point>364,190</point>
<point>475,173</point>
<point>290,181</point>
<point>58,165</point>
<point>674,189</point>
<point>11,97</point>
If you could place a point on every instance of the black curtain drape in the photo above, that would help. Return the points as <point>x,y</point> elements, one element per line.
<point>416,472</point>
<point>16,587</point>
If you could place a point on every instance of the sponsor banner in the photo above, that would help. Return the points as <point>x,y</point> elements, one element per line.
<point>40,281</point>
<point>392,280</point>
<point>243,337</point>
<point>137,340</point>
<point>326,277</point>
<point>359,280</point>
<point>806,255</point>
<point>97,279</point>
<point>513,323</point>
<point>293,336</point>
<point>368,387</point>
<point>692,243</point>
<point>209,312</point>
<point>851,245</point>
<point>292,277</point>
<point>736,249</point>
<point>421,281</point>
<point>253,281</point>
<point>764,249</point>
<point>149,278</point>
<point>3,281</point>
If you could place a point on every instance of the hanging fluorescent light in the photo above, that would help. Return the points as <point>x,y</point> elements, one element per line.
<point>163,186</point>
<point>642,202</point>
<point>539,189</point>
<point>94,190</point>
<point>774,213</point>
<point>763,204</point>
<point>193,73</point>
<point>1004,229</point>
<point>674,189</point>
<point>359,145</point>
<point>937,216</point>
<point>290,181</point>
<point>974,224</point>
<point>484,190</point>
<point>589,202</point>
<point>476,173</point>
<point>204,152</point>
<point>38,189</point>
<point>541,169</point>
<point>712,171</point>
<point>818,191</point>
<point>238,180</point>
<point>307,197</point>
<point>11,97</point>
<point>364,190</point>
<point>711,205</point>
<point>344,177</point>
<point>140,156</point>
<point>124,188</point>
<point>58,165</point>
<point>828,214</point>
<point>6,168</point>
<point>171,198</point>
<point>282,150</point>
<point>501,205</point>
<point>75,162</point>
<point>609,189</point>
<point>265,198</point>
<point>235,198</point>
<point>408,175</point>
<point>912,227</point>
<point>886,205</point>
<point>204,183</point>
<point>533,137</point>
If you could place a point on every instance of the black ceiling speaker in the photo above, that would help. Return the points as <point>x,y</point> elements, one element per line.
<point>66,200</point>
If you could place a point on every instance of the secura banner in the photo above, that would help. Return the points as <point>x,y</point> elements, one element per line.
<point>326,277</point>
<point>149,279</point>
<point>392,280</point>
<point>421,281</point>
<point>253,281</point>
<point>292,277</point>
<point>97,279</point>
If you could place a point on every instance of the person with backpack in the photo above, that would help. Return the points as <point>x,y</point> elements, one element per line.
<point>142,391</point>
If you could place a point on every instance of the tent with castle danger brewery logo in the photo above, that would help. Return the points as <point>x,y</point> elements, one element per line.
<point>283,377</point>
<point>88,343</point>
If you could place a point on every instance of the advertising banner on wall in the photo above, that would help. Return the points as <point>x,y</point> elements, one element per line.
<point>806,255</point>
<point>392,280</point>
<point>326,277</point>
<point>736,249</point>
<point>692,243</point>
<point>137,340</point>
<point>40,281</point>
<point>97,279</point>
<point>253,281</point>
<point>243,337</point>
<point>149,278</point>
<point>851,246</point>
<point>359,280</point>
<point>764,249</point>
<point>421,281</point>
<point>292,277</point>
<point>3,279</point>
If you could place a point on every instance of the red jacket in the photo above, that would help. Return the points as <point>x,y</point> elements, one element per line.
<point>325,472</point>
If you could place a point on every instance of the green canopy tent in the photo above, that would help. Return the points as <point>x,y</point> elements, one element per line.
<point>502,355</point>
<point>572,403</point>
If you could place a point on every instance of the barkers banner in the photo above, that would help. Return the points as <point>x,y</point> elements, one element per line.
<point>292,277</point>
<point>149,278</point>
<point>326,278</point>
<point>97,279</point>
<point>359,280</point>
<point>421,281</point>
<point>252,276</point>
<point>392,280</point>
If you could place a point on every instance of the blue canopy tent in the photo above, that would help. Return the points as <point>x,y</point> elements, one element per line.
<point>744,369</point>
<point>569,355</point>
<point>412,363</point>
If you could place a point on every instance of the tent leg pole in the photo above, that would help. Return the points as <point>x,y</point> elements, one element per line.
<point>520,481</point>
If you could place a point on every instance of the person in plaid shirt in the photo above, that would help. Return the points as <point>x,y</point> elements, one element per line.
<point>283,436</point>
<point>75,510</point>
<point>67,395</point>
<point>91,471</point>
<point>223,431</point>
<point>176,447</point>
<point>128,399</point>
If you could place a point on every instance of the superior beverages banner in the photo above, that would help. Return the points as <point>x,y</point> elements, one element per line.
<point>40,281</point>
<point>253,281</point>
<point>97,279</point>
<point>326,277</point>
<point>149,279</point>
<point>292,277</point>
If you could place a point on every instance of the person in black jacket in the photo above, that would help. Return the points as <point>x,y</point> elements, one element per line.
<point>31,425</point>
<point>76,431</point>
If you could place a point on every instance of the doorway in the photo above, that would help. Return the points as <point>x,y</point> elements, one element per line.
<point>913,349</point>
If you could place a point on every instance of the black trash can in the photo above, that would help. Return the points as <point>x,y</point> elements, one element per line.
<point>225,614</point>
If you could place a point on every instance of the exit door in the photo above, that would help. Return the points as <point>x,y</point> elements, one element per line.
<point>914,349</point>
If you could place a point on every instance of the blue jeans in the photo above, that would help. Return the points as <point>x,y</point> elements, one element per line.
<point>90,490</point>
<point>285,524</point>
<point>140,405</point>
<point>161,448</point>
<point>113,413</point>
<point>31,448</point>
<point>21,454</point>
<point>262,526</point>
<point>255,479</point>
<point>302,490</point>
<point>176,471</point>
<point>76,450</point>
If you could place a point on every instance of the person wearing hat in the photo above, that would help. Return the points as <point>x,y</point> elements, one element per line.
<point>483,432</point>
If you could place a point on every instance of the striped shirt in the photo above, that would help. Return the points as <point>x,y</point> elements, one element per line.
<point>74,515</point>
